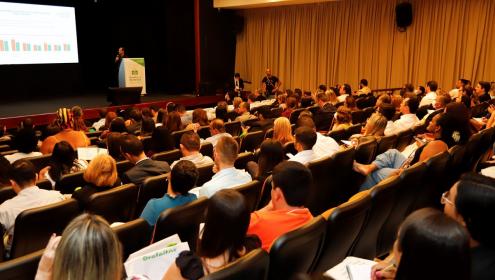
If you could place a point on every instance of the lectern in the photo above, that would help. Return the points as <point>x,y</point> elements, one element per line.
<point>132,74</point>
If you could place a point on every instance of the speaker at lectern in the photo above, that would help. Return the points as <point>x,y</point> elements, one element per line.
<point>132,74</point>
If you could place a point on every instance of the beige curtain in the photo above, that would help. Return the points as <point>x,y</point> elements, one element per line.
<point>344,41</point>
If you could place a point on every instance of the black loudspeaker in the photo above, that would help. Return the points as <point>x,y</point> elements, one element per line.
<point>403,15</point>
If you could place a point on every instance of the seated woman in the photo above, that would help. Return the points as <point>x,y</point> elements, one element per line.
<point>342,119</point>
<point>199,118</point>
<point>174,122</point>
<point>161,141</point>
<point>101,175</point>
<point>447,132</point>
<point>63,161</point>
<point>429,245</point>
<point>147,126</point>
<point>223,238</point>
<point>182,179</point>
<point>87,249</point>
<point>282,131</point>
<point>271,153</point>
<point>291,105</point>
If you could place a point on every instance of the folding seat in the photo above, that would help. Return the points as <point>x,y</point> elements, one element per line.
<point>206,149</point>
<point>115,205</point>
<point>168,156</point>
<point>295,115</point>
<point>269,133</point>
<point>338,135</point>
<point>253,265</point>
<point>146,140</point>
<point>176,135</point>
<point>404,138</point>
<point>133,236</point>
<point>249,122</point>
<point>205,174</point>
<point>251,141</point>
<point>153,187</point>
<point>204,132</point>
<point>6,193</point>
<point>69,182</point>
<point>385,143</point>
<point>365,152</point>
<point>40,162</point>
<point>297,251</point>
<point>24,267</point>
<point>123,166</point>
<point>233,128</point>
<point>289,148</point>
<point>251,192</point>
<point>243,159</point>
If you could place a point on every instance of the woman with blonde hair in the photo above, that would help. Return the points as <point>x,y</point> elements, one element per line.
<point>87,249</point>
<point>282,130</point>
<point>343,118</point>
<point>332,97</point>
<point>101,175</point>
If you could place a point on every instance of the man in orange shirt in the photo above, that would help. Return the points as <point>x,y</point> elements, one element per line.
<point>286,211</point>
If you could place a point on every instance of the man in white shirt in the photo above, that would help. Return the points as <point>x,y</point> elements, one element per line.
<point>363,87</point>
<point>344,91</point>
<point>217,130</point>
<point>388,111</point>
<point>244,113</point>
<point>28,196</point>
<point>459,86</point>
<point>408,119</point>
<point>189,147</point>
<point>431,95</point>
<point>228,176</point>
<point>305,140</point>
<point>26,143</point>
<point>325,146</point>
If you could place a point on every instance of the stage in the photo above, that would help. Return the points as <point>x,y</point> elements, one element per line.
<point>42,110</point>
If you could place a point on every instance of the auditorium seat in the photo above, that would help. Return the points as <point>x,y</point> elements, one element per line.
<point>365,152</point>
<point>290,148</point>
<point>206,149</point>
<point>354,129</point>
<point>233,128</point>
<point>204,132</point>
<point>338,135</point>
<point>40,162</point>
<point>176,135</point>
<point>4,148</point>
<point>343,224</point>
<point>253,265</point>
<point>410,178</point>
<point>115,205</point>
<point>183,220</point>
<point>368,111</point>
<point>168,156</point>
<point>266,193</point>
<point>205,174</point>
<point>250,122</point>
<point>385,143</point>
<point>24,267</point>
<point>44,184</point>
<point>69,182</point>
<point>334,183</point>
<point>251,192</point>
<point>382,200</point>
<point>146,140</point>
<point>298,250</point>
<point>9,152</point>
<point>133,236</point>
<point>123,166</point>
<point>358,117</point>
<point>34,227</point>
<point>243,159</point>
<point>269,133</point>
<point>153,187</point>
<point>251,141</point>
<point>457,155</point>
<point>404,138</point>
<point>295,115</point>
<point>6,193</point>
<point>434,183</point>
<point>474,151</point>
<point>276,112</point>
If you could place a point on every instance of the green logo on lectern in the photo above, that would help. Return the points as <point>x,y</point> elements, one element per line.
<point>134,72</point>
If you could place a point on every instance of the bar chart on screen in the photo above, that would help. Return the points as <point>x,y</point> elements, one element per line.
<point>37,34</point>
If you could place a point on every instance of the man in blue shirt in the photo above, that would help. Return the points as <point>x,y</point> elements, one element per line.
<point>182,178</point>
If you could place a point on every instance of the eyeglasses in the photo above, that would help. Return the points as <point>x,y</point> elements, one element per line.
<point>445,200</point>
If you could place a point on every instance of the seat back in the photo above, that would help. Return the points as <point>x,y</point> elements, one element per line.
<point>269,133</point>
<point>457,156</point>
<point>344,223</point>
<point>69,182</point>
<point>410,180</point>
<point>295,115</point>
<point>123,166</point>
<point>404,138</point>
<point>146,140</point>
<point>354,129</point>
<point>333,181</point>
<point>44,184</point>
<point>183,220</point>
<point>369,111</point>
<point>252,141</point>
<point>251,192</point>
<point>204,132</point>
<point>290,148</point>
<point>265,194</point>
<point>176,135</point>
<point>205,174</point>
<point>338,135</point>
<point>133,236</point>
<point>40,162</point>
<point>434,183</point>
<point>253,265</point>
<point>233,128</point>
<point>6,193</point>
<point>386,143</point>
<point>358,117</point>
<point>115,205</point>
<point>297,251</point>
<point>474,151</point>
<point>243,159</point>
<point>168,156</point>
<point>276,112</point>
<point>34,227</point>
<point>365,152</point>
<point>153,187</point>
<point>24,267</point>
<point>206,149</point>
<point>382,200</point>
<point>250,122</point>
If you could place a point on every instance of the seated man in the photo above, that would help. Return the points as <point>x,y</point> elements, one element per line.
<point>189,147</point>
<point>408,119</point>
<point>144,167</point>
<point>182,178</point>
<point>23,179</point>
<point>244,113</point>
<point>325,146</point>
<point>324,115</point>
<point>26,142</point>
<point>305,140</point>
<point>227,176</point>
<point>285,212</point>
<point>265,122</point>
<point>217,130</point>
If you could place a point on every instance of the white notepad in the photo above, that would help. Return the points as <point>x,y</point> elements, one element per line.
<point>352,268</point>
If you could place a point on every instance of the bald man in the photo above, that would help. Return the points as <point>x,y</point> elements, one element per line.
<point>270,83</point>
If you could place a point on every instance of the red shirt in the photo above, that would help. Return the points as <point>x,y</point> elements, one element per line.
<point>269,225</point>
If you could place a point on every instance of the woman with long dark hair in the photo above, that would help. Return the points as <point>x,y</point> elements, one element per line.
<point>161,140</point>
<point>271,153</point>
<point>63,161</point>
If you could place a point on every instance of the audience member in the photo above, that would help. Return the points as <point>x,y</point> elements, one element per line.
<point>144,167</point>
<point>63,161</point>
<point>431,95</point>
<point>265,121</point>
<point>374,128</point>
<point>459,86</point>
<point>363,87</point>
<point>388,111</point>
<point>342,118</point>
<point>75,138</point>
<point>114,142</point>
<point>5,170</point>
<point>291,182</point>
<point>23,179</point>
<point>133,124</point>
<point>147,127</point>
<point>324,115</point>
<point>291,105</point>
<point>282,131</point>
<point>307,99</point>
<point>78,119</point>
<point>244,113</point>
<point>344,91</point>
<point>161,140</point>
<point>190,144</point>
<point>350,103</point>
<point>227,176</point>
<point>26,144</point>
<point>305,140</point>
<point>332,97</point>
<point>383,99</point>
<point>223,239</point>
<point>154,109</point>
<point>482,90</point>
<point>408,119</point>
<point>161,117</point>
<point>101,122</point>
<point>199,118</point>
<point>174,122</point>
<point>221,111</point>
<point>217,131</point>
<point>182,179</point>
<point>325,146</point>
<point>101,175</point>
<point>271,153</point>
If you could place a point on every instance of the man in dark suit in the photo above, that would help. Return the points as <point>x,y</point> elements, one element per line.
<point>265,122</point>
<point>235,88</point>
<point>144,167</point>
<point>323,117</point>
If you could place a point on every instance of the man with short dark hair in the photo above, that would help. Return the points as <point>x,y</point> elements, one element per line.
<point>408,119</point>
<point>388,111</point>
<point>244,113</point>
<point>26,143</point>
<point>190,143</point>
<point>431,95</point>
<point>305,140</point>
<point>144,167</point>
<point>23,179</point>
<point>344,91</point>
<point>459,86</point>
<point>228,176</point>
<point>291,182</point>
<point>182,179</point>
<point>363,87</point>
<point>217,130</point>
<point>324,115</point>
<point>325,146</point>
<point>265,121</point>
<point>235,88</point>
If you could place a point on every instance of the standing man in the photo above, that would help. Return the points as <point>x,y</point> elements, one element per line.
<point>235,88</point>
<point>118,59</point>
<point>270,84</point>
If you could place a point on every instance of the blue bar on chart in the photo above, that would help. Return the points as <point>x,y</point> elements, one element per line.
<point>6,46</point>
